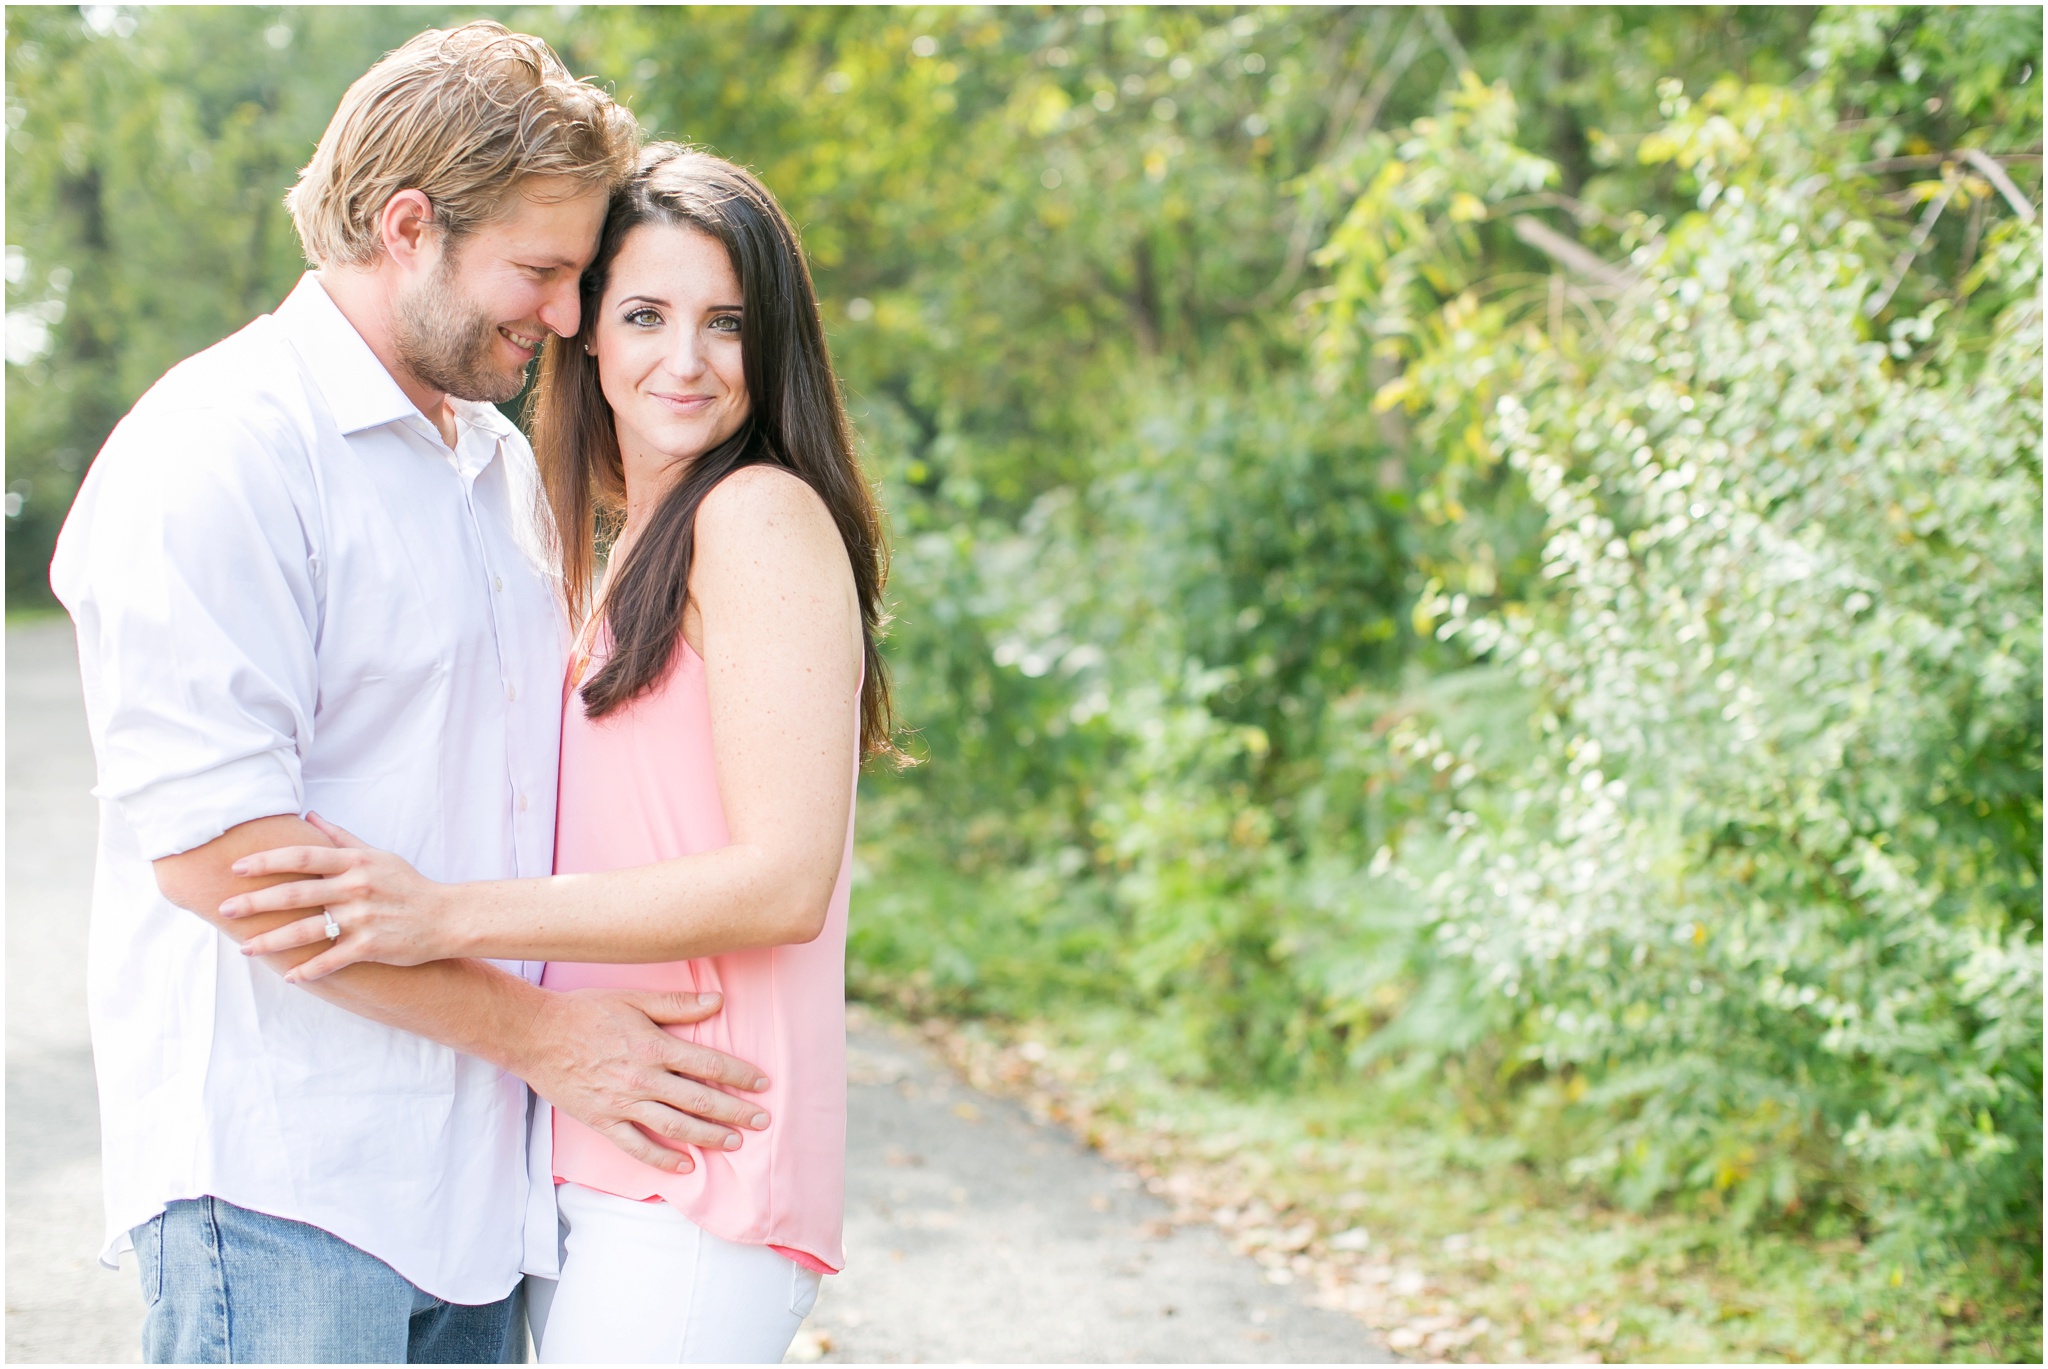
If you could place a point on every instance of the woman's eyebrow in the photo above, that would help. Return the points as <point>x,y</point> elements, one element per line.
<point>661,303</point>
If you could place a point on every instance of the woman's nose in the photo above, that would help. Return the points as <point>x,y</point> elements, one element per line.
<point>686,359</point>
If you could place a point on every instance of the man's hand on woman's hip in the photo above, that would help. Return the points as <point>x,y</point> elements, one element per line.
<point>601,1056</point>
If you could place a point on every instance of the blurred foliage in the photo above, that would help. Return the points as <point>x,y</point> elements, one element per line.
<point>1483,556</point>
<point>1768,898</point>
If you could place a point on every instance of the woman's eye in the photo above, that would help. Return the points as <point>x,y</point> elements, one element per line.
<point>643,318</point>
<point>726,323</point>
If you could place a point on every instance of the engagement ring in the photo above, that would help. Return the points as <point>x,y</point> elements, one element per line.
<point>333,927</point>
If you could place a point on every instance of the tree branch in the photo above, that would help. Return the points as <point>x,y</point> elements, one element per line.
<point>1927,160</point>
<point>1874,306</point>
<point>1306,219</point>
<point>1440,30</point>
<point>1995,174</point>
<point>1569,254</point>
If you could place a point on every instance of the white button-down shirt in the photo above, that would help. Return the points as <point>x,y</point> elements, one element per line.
<point>291,594</point>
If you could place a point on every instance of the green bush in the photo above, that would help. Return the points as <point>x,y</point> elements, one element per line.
<point>1770,894</point>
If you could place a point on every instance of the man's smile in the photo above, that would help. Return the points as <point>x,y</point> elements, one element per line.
<point>528,343</point>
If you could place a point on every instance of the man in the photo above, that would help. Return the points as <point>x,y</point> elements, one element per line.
<point>308,574</point>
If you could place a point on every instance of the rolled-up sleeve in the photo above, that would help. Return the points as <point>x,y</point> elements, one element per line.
<point>187,564</point>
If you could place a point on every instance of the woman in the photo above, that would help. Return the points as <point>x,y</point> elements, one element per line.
<point>714,716</point>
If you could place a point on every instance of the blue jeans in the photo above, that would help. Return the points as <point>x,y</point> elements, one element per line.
<point>229,1286</point>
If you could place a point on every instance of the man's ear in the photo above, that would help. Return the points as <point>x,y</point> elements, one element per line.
<point>407,230</point>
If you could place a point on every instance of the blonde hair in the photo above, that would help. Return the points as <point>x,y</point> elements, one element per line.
<point>466,116</point>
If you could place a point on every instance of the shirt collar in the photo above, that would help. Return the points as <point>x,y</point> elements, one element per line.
<point>486,416</point>
<point>359,392</point>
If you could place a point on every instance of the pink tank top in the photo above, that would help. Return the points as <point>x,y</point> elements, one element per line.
<point>641,786</point>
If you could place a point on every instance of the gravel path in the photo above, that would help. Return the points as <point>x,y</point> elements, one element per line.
<point>972,1233</point>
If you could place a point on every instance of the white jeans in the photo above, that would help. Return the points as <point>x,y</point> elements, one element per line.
<point>643,1284</point>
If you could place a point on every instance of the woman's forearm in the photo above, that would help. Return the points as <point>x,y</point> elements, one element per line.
<point>734,899</point>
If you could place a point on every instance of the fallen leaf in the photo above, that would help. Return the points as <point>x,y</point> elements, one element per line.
<point>1296,1237</point>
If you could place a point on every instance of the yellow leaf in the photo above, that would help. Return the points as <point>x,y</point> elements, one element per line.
<point>1657,147</point>
<point>1401,389</point>
<point>1482,450</point>
<point>1046,111</point>
<point>1467,208</point>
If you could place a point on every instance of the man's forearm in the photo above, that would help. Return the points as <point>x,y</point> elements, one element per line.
<point>469,1005</point>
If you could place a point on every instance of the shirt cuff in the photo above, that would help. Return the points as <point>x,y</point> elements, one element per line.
<point>176,815</point>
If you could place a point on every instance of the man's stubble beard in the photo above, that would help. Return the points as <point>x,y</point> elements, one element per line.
<point>447,342</point>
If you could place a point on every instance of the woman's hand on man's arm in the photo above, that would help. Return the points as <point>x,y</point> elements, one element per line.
<point>204,878</point>
<point>387,911</point>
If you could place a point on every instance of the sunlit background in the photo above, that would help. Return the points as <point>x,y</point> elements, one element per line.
<point>1467,583</point>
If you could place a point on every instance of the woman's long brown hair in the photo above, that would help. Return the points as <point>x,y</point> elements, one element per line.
<point>796,421</point>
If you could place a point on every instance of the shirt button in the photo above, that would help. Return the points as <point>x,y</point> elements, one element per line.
<point>522,803</point>
<point>512,692</point>
<point>498,583</point>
